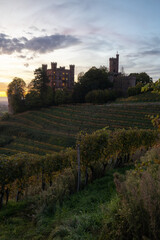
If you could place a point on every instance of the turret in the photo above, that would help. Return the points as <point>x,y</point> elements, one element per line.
<point>44,67</point>
<point>53,65</point>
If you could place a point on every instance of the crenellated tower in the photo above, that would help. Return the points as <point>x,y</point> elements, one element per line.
<point>114,64</point>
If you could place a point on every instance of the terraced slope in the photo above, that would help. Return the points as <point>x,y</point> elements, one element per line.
<point>52,129</point>
<point>143,97</point>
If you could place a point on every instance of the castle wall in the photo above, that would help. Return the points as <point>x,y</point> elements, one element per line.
<point>60,78</point>
<point>122,83</point>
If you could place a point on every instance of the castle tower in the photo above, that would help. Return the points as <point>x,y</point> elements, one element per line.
<point>44,67</point>
<point>71,79</point>
<point>54,66</point>
<point>114,64</point>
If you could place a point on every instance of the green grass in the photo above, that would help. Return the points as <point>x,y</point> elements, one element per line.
<point>55,128</point>
<point>80,216</point>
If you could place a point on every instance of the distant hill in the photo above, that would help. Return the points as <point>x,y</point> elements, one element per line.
<point>3,101</point>
<point>3,105</point>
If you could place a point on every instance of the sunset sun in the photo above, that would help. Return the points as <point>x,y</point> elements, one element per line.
<point>3,94</point>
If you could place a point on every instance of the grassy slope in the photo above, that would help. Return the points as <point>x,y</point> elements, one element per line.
<point>144,97</point>
<point>80,217</point>
<point>52,129</point>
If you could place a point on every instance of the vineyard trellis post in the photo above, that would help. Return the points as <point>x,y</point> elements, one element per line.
<point>79,168</point>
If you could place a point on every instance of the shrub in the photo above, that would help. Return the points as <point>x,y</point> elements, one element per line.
<point>5,116</point>
<point>132,91</point>
<point>137,212</point>
<point>100,96</point>
<point>63,97</point>
<point>63,185</point>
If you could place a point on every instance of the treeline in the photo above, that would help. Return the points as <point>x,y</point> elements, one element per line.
<point>54,176</point>
<point>93,86</point>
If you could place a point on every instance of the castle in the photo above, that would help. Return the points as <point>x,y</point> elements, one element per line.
<point>60,78</point>
<point>120,81</point>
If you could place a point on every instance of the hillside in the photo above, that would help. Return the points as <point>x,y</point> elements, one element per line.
<point>143,97</point>
<point>80,216</point>
<point>52,129</point>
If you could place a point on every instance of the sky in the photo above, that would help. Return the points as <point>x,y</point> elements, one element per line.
<point>81,32</point>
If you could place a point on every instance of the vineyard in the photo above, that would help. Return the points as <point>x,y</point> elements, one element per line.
<point>52,129</point>
<point>37,178</point>
<point>144,97</point>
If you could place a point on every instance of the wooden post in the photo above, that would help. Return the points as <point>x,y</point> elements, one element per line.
<point>79,169</point>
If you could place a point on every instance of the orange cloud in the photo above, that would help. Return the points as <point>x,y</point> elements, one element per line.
<point>3,87</point>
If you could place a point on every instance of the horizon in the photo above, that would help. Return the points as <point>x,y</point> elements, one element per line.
<point>91,33</point>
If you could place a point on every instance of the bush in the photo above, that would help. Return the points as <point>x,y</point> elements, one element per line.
<point>137,212</point>
<point>100,96</point>
<point>132,91</point>
<point>63,97</point>
<point>63,185</point>
<point>5,116</point>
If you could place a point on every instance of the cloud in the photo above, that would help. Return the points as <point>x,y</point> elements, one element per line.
<point>30,58</point>
<point>9,46</point>
<point>26,65</point>
<point>44,44</point>
<point>49,43</point>
<point>22,56</point>
<point>151,52</point>
<point>2,35</point>
<point>3,86</point>
<point>34,28</point>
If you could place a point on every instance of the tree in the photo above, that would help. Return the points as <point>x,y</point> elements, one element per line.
<point>17,87</point>
<point>63,96</point>
<point>142,77</point>
<point>16,92</point>
<point>32,100</point>
<point>94,78</point>
<point>39,91</point>
<point>80,75</point>
<point>40,81</point>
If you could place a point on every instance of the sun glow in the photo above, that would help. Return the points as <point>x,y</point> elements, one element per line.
<point>3,94</point>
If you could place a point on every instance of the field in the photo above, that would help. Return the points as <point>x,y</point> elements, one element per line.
<point>52,129</point>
